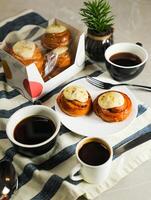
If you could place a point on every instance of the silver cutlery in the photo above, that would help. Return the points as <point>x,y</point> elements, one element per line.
<point>105,85</point>
<point>8,179</point>
<point>117,151</point>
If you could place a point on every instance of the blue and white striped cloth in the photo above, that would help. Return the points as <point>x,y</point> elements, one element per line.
<point>47,176</point>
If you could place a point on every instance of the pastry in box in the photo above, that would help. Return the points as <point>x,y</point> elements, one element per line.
<point>36,69</point>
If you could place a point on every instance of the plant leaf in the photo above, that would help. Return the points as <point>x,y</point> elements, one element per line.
<point>97,15</point>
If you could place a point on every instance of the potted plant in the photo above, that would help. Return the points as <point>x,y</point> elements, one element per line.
<point>97,16</point>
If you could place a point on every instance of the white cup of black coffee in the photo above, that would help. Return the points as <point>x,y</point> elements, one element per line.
<point>125,61</point>
<point>94,156</point>
<point>33,130</point>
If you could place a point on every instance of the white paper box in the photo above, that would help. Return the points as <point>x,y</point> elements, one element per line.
<point>27,79</point>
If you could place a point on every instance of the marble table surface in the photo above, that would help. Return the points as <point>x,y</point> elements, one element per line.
<point>132,24</point>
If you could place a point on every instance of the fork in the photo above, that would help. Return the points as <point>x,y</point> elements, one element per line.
<point>105,85</point>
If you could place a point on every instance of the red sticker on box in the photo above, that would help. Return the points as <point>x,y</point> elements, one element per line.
<point>33,88</point>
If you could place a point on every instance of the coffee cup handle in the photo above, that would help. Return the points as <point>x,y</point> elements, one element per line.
<point>74,171</point>
<point>139,44</point>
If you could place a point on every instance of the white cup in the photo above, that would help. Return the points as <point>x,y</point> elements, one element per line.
<point>95,174</point>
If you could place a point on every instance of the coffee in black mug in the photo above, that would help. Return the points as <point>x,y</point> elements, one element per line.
<point>125,61</point>
<point>33,130</point>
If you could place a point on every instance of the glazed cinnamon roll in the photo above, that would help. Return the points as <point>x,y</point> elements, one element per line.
<point>75,101</point>
<point>63,62</point>
<point>56,35</point>
<point>112,106</point>
<point>27,53</point>
<point>64,57</point>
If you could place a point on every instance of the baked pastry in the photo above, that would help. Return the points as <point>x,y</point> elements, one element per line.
<point>63,57</point>
<point>112,106</point>
<point>63,61</point>
<point>75,101</point>
<point>27,53</point>
<point>56,35</point>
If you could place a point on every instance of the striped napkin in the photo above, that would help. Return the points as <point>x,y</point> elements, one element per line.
<point>47,176</point>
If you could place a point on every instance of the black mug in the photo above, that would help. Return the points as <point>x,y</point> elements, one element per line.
<point>124,61</point>
<point>40,144</point>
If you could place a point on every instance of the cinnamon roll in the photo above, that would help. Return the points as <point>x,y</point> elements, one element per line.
<point>63,62</point>
<point>56,35</point>
<point>112,106</point>
<point>75,101</point>
<point>27,53</point>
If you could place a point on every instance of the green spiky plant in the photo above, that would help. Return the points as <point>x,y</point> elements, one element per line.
<point>97,15</point>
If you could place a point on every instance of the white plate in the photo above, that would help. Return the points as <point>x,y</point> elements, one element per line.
<point>92,125</point>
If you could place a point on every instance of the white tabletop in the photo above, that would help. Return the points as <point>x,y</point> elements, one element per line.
<point>132,24</point>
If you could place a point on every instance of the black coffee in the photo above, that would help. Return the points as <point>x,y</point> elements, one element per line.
<point>94,153</point>
<point>34,130</point>
<point>125,59</point>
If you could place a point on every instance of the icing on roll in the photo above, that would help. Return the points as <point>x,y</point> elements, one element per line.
<point>60,50</point>
<point>24,49</point>
<point>55,28</point>
<point>76,93</point>
<point>110,100</point>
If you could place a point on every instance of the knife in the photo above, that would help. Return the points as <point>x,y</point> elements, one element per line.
<point>117,151</point>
